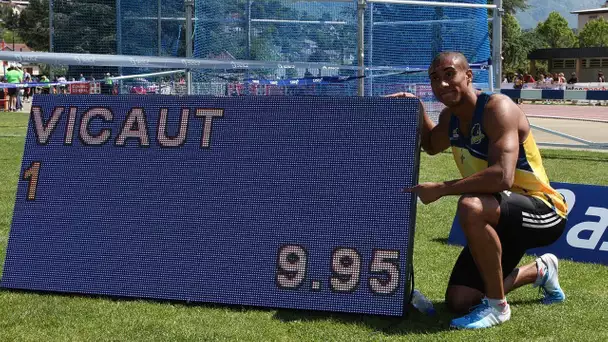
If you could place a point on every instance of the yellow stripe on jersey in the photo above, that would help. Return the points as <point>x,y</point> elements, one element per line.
<point>531,183</point>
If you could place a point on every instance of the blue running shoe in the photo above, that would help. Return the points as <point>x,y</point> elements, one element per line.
<point>482,316</point>
<point>547,279</point>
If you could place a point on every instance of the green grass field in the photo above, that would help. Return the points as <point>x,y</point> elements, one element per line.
<point>26,316</point>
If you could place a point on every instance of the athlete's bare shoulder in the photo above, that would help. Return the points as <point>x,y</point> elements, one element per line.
<point>502,115</point>
<point>499,103</point>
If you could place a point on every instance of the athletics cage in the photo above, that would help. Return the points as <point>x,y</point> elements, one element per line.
<point>312,47</point>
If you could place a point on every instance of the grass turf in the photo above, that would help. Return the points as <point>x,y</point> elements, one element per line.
<point>29,316</point>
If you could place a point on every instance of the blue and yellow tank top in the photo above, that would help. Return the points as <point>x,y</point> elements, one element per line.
<point>471,156</point>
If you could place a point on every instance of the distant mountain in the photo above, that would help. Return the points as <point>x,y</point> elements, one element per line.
<point>539,10</point>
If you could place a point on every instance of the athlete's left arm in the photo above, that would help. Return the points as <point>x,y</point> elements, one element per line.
<point>501,126</point>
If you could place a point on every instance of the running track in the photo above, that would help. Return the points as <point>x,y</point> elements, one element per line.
<point>591,113</point>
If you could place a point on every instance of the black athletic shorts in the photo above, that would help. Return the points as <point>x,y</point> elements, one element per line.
<point>12,91</point>
<point>525,222</point>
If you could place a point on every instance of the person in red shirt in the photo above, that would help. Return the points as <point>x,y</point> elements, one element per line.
<point>528,78</point>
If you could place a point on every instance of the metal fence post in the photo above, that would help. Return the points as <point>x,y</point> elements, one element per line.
<point>189,7</point>
<point>361,4</point>
<point>497,43</point>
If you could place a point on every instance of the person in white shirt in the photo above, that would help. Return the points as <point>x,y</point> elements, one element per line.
<point>61,87</point>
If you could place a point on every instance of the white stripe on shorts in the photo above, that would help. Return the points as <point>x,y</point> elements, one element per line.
<point>558,220</point>
<point>539,221</point>
<point>538,216</point>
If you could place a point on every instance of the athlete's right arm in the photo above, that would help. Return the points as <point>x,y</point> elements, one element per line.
<point>435,138</point>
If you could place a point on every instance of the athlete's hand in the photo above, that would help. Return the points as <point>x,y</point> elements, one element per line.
<point>401,94</point>
<point>427,192</point>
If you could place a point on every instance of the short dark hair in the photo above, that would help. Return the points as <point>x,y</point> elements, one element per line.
<point>452,54</point>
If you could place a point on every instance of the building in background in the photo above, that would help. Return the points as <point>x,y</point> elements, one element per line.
<point>585,62</point>
<point>584,16</point>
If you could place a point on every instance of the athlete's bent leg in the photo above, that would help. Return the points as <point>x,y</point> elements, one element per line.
<point>478,215</point>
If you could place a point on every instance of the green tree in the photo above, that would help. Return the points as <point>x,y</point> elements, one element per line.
<point>262,50</point>
<point>85,26</point>
<point>595,33</point>
<point>515,53</point>
<point>556,33</point>
<point>530,41</point>
<point>33,25</point>
<point>10,23</point>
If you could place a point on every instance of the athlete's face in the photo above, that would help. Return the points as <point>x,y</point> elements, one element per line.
<point>450,79</point>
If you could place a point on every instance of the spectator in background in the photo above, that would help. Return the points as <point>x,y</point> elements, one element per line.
<point>27,91</point>
<point>555,78</point>
<point>47,88</point>
<point>107,85</point>
<point>82,79</point>
<point>518,82</point>
<point>26,75</point>
<point>560,81</point>
<point>61,89</point>
<point>573,79</point>
<point>601,78</point>
<point>20,91</point>
<point>54,87</point>
<point>528,78</point>
<point>13,76</point>
<point>541,78</point>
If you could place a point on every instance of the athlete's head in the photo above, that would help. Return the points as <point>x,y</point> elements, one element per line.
<point>450,77</point>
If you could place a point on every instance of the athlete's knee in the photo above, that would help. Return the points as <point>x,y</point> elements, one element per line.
<point>470,207</point>
<point>460,299</point>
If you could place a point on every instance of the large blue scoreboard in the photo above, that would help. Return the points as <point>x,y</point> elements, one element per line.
<point>266,201</point>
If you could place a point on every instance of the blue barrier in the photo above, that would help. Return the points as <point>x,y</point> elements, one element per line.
<point>541,94</point>
<point>38,84</point>
<point>586,236</point>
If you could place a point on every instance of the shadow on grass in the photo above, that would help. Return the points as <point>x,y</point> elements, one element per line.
<point>413,322</point>
<point>442,240</point>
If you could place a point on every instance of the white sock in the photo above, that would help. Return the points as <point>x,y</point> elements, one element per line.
<point>499,305</point>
